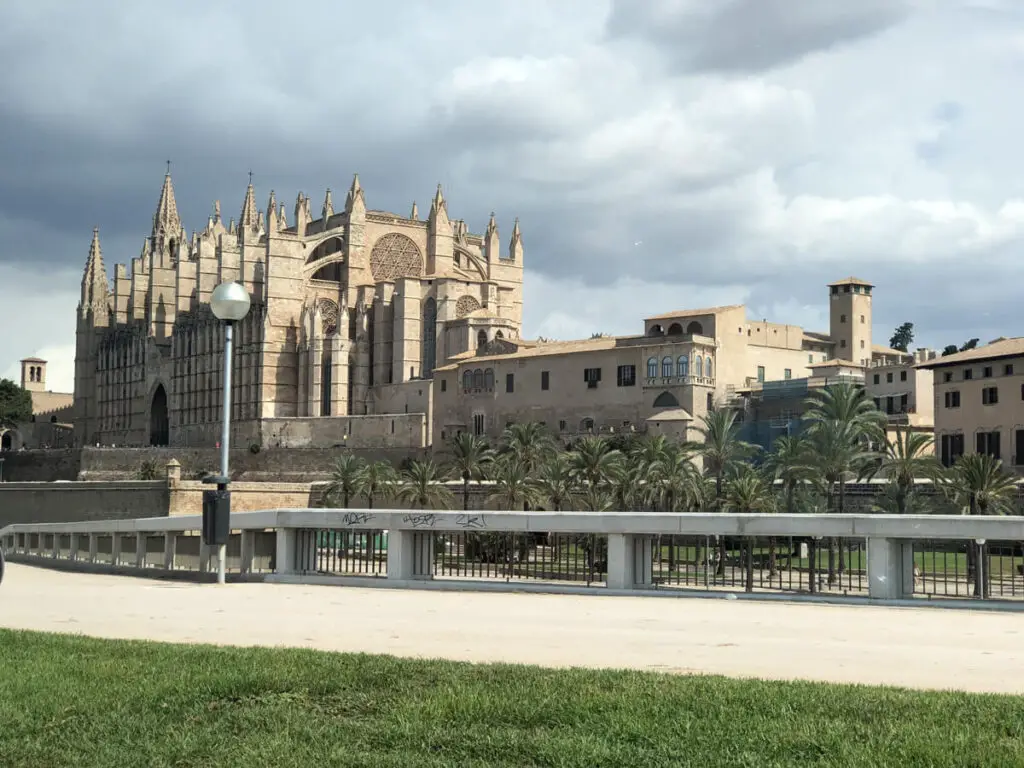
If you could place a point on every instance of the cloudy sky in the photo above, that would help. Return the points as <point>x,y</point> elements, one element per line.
<point>659,153</point>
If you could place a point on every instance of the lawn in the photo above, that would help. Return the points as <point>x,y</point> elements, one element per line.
<point>70,701</point>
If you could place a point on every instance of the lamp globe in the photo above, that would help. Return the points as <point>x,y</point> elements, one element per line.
<point>230,302</point>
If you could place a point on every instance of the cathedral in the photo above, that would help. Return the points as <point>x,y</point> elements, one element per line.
<point>351,313</point>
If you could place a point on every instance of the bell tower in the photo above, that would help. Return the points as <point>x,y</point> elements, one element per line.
<point>33,374</point>
<point>850,319</point>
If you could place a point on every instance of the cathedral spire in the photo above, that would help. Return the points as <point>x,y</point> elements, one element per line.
<point>515,246</point>
<point>166,221</point>
<point>438,201</point>
<point>272,222</point>
<point>328,208</point>
<point>415,215</point>
<point>355,199</point>
<point>249,218</point>
<point>95,284</point>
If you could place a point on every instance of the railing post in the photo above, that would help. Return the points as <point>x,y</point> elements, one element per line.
<point>410,555</point>
<point>94,547</point>
<point>248,549</point>
<point>890,569</point>
<point>54,545</point>
<point>286,540</point>
<point>73,544</point>
<point>115,549</point>
<point>141,543</point>
<point>205,551</point>
<point>170,549</point>
<point>630,561</point>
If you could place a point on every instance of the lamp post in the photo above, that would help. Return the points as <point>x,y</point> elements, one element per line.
<point>230,303</point>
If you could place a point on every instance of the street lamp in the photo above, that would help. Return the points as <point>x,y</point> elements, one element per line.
<point>229,303</point>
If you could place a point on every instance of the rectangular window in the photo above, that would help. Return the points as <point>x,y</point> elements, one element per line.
<point>947,376</point>
<point>888,378</point>
<point>1018,458</point>
<point>1008,369</point>
<point>562,425</point>
<point>592,376</point>
<point>626,376</point>
<point>951,449</point>
<point>903,375</point>
<point>986,372</point>
<point>810,359</point>
<point>760,373</point>
<point>787,373</point>
<point>842,318</point>
<point>444,385</point>
<point>988,443</point>
<point>968,374</point>
<point>545,380</point>
<point>953,399</point>
<point>877,378</point>
<point>904,403</point>
<point>478,424</point>
<point>878,403</point>
<point>990,395</point>
<point>890,405</point>
<point>510,382</point>
<point>842,343</point>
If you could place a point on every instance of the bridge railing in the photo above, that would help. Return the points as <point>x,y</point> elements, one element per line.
<point>880,557</point>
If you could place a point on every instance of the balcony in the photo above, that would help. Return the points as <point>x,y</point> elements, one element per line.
<point>660,382</point>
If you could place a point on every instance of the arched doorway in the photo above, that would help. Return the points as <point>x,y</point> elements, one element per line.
<point>159,426</point>
<point>7,441</point>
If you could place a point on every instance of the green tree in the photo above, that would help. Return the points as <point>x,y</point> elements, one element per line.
<point>593,462</point>
<point>513,486</point>
<point>749,491</point>
<point>472,456</point>
<point>555,482</point>
<point>952,349</point>
<point>15,404</point>
<point>347,480</point>
<point>791,461</point>
<point>979,485</point>
<point>379,481</point>
<point>906,457</point>
<point>902,337</point>
<point>423,486</point>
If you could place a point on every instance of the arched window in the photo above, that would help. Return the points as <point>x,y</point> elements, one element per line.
<point>478,379</point>
<point>587,425</point>
<point>489,379</point>
<point>707,368</point>
<point>675,330</point>
<point>698,367</point>
<point>467,380</point>
<point>481,338</point>
<point>683,366</point>
<point>666,366</point>
<point>499,335</point>
<point>695,328</point>
<point>429,337</point>
<point>666,400</point>
<point>652,367</point>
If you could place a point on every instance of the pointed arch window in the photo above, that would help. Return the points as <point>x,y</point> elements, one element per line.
<point>698,367</point>
<point>666,366</point>
<point>652,367</point>
<point>683,366</point>
<point>707,368</point>
<point>429,337</point>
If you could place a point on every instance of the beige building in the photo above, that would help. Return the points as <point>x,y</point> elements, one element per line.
<point>351,312</point>
<point>52,413</point>
<point>979,402</point>
<point>663,380</point>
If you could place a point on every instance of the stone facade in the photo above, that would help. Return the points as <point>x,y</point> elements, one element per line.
<point>52,413</point>
<point>661,381</point>
<point>347,309</point>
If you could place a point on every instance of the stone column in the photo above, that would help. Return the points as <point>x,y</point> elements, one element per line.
<point>890,569</point>
<point>410,555</point>
<point>407,329</point>
<point>630,561</point>
<point>340,348</point>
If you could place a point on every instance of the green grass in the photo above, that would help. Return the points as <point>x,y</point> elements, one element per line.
<point>71,701</point>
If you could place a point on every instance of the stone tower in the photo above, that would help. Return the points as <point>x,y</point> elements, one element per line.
<point>850,319</point>
<point>33,374</point>
<point>93,317</point>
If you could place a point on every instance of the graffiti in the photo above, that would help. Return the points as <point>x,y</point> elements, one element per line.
<point>424,520</point>
<point>471,521</point>
<point>356,518</point>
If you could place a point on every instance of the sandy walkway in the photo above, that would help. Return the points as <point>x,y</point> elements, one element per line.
<point>922,648</point>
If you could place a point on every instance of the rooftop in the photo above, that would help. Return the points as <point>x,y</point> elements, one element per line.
<point>1012,347</point>
<point>693,312</point>
<point>32,360</point>
<point>851,281</point>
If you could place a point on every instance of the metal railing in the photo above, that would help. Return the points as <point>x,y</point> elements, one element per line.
<point>880,557</point>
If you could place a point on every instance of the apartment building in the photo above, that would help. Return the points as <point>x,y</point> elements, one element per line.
<point>979,402</point>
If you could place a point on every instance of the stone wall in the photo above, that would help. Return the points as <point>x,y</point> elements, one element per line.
<point>403,430</point>
<point>66,502</point>
<point>41,466</point>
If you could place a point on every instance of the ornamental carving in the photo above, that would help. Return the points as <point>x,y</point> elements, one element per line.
<point>395,256</point>
<point>329,313</point>
<point>465,305</point>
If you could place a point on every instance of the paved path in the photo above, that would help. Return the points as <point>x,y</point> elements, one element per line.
<point>912,647</point>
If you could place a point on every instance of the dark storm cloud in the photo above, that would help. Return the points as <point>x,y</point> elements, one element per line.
<point>745,36</point>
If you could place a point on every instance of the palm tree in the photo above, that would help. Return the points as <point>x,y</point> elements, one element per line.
<point>847,403</point>
<point>513,485</point>
<point>979,485</point>
<point>840,454</point>
<point>749,491</point>
<point>531,443</point>
<point>472,455</point>
<point>721,450</point>
<point>555,481</point>
<point>346,480</point>
<point>594,462</point>
<point>790,461</point>
<point>905,458</point>
<point>423,487</point>
<point>379,481</point>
